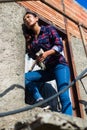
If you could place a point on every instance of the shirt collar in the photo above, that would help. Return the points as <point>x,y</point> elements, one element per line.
<point>42,29</point>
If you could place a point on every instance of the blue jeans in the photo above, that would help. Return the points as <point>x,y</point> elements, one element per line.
<point>61,74</point>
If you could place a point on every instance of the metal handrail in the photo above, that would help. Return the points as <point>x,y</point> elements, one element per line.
<point>44,101</point>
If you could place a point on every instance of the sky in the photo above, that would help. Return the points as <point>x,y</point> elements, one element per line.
<point>82,3</point>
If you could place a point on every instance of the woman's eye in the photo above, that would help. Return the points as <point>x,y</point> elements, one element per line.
<point>28,17</point>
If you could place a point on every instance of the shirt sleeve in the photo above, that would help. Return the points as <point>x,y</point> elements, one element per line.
<point>56,42</point>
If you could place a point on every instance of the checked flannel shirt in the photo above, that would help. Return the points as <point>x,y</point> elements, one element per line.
<point>47,39</point>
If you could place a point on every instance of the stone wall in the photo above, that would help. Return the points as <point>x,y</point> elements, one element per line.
<point>39,119</point>
<point>80,60</point>
<point>12,50</point>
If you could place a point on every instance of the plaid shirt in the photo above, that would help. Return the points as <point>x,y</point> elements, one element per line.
<point>47,39</point>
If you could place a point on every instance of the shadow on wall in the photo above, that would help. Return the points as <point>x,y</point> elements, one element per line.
<point>27,126</point>
<point>46,91</point>
<point>22,126</point>
<point>10,89</point>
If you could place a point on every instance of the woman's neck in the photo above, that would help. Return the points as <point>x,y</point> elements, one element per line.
<point>36,30</point>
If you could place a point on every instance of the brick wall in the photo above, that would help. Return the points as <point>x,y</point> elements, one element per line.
<point>70,8</point>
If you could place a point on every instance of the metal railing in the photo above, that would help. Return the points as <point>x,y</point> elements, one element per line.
<point>26,108</point>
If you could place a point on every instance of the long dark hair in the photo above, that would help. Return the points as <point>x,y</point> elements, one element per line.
<point>29,12</point>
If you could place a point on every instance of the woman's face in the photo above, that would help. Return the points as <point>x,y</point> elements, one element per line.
<point>30,20</point>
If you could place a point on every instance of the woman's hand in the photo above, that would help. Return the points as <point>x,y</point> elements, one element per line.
<point>45,54</point>
<point>42,57</point>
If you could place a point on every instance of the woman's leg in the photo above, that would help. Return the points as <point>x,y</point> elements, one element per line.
<point>33,80</point>
<point>62,75</point>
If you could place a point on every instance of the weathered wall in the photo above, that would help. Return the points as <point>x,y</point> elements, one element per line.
<point>80,61</point>
<point>12,46</point>
<point>40,119</point>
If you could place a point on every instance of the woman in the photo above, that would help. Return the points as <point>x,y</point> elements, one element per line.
<point>47,38</point>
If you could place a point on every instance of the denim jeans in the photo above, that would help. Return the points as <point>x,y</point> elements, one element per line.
<point>61,74</point>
